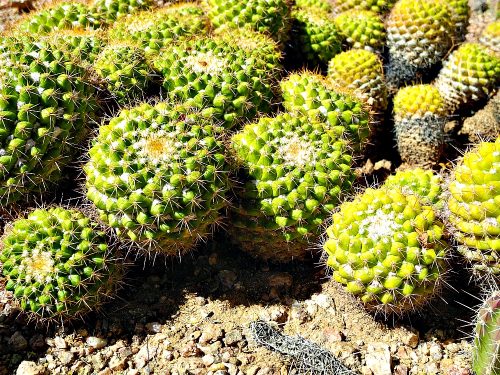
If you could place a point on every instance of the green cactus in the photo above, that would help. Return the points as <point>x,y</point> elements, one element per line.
<point>158,176</point>
<point>490,37</point>
<point>460,9</point>
<point>156,29</point>
<point>266,16</point>
<point>312,95</point>
<point>387,247</point>
<point>425,184</point>
<point>362,72</point>
<point>486,351</point>
<point>58,264</point>
<point>362,29</point>
<point>315,34</point>
<point>471,73</point>
<point>294,171</point>
<point>419,34</point>
<point>377,6</point>
<point>125,71</point>
<point>60,16</point>
<point>474,205</point>
<point>46,103</point>
<point>226,80</point>
<point>321,4</point>
<point>419,119</point>
<point>111,10</point>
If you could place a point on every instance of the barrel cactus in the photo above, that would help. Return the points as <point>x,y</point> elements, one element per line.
<point>474,205</point>
<point>58,264</point>
<point>293,173</point>
<point>46,103</point>
<point>419,119</point>
<point>321,4</point>
<point>111,10</point>
<point>362,29</point>
<point>387,247</point>
<point>362,72</point>
<point>158,176</point>
<point>377,6</point>
<point>486,351</point>
<point>490,37</point>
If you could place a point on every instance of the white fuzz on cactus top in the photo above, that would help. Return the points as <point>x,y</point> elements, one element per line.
<point>37,265</point>
<point>205,62</point>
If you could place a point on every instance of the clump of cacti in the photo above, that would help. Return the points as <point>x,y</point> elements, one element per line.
<point>266,16</point>
<point>361,29</point>
<point>58,264</point>
<point>314,96</point>
<point>423,183</point>
<point>294,172</point>
<point>419,120</point>
<point>362,72</point>
<point>233,83</point>
<point>471,73</point>
<point>388,248</point>
<point>124,70</point>
<point>111,10</point>
<point>158,176</point>
<point>46,103</point>
<point>315,34</point>
<point>87,44</point>
<point>486,350</point>
<point>419,34</point>
<point>156,29</point>
<point>377,6</point>
<point>490,37</point>
<point>474,205</point>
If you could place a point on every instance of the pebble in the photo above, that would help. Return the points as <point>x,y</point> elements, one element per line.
<point>18,342</point>
<point>29,368</point>
<point>211,333</point>
<point>96,342</point>
<point>233,337</point>
<point>378,359</point>
<point>65,357</point>
<point>208,359</point>
<point>400,370</point>
<point>59,342</point>
<point>153,327</point>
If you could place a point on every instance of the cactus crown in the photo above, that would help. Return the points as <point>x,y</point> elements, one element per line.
<point>419,101</point>
<point>423,183</point>
<point>362,29</point>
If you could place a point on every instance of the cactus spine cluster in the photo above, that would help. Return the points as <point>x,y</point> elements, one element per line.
<point>58,264</point>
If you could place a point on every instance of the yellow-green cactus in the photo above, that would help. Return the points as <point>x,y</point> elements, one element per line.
<point>490,37</point>
<point>362,29</point>
<point>424,183</point>
<point>377,6</point>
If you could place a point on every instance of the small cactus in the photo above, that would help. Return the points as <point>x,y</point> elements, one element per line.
<point>361,29</point>
<point>58,264</point>
<point>490,37</point>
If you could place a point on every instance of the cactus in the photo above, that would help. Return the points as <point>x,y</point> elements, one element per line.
<point>419,119</point>
<point>46,103</point>
<point>419,34</point>
<point>58,264</point>
<point>227,81</point>
<point>294,171</point>
<point>471,73</point>
<point>460,9</point>
<point>321,4</point>
<point>362,29</point>
<point>312,95</point>
<point>362,72</point>
<point>387,247</point>
<point>474,205</point>
<point>125,71</point>
<point>490,37</point>
<point>158,176</point>
<point>315,34</point>
<point>266,16</point>
<point>377,6</point>
<point>111,10</point>
<point>486,350</point>
<point>60,16</point>
<point>420,182</point>
<point>156,29</point>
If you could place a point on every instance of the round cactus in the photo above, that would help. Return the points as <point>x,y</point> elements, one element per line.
<point>158,175</point>
<point>312,95</point>
<point>58,264</point>
<point>474,205</point>
<point>321,4</point>
<point>420,182</point>
<point>111,10</point>
<point>470,73</point>
<point>294,173</point>
<point>266,16</point>
<point>419,34</point>
<point>486,351</point>
<point>227,81</point>
<point>125,71</point>
<point>362,29</point>
<point>460,14</point>
<point>362,72</point>
<point>60,16</point>
<point>419,119</point>
<point>490,37</point>
<point>315,34</point>
<point>156,29</point>
<point>46,103</point>
<point>377,6</point>
<point>387,247</point>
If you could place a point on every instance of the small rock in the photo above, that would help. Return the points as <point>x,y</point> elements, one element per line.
<point>211,333</point>
<point>37,342</point>
<point>378,359</point>
<point>411,340</point>
<point>59,342</point>
<point>400,370</point>
<point>253,370</point>
<point>30,368</point>
<point>365,370</point>
<point>208,359</point>
<point>382,164</point>
<point>65,357</point>
<point>311,307</point>
<point>436,352</point>
<point>322,300</point>
<point>153,327</point>
<point>232,337</point>
<point>117,363</point>
<point>217,367</point>
<point>432,368</point>
<point>190,350</point>
<point>18,342</point>
<point>124,352</point>
<point>96,342</point>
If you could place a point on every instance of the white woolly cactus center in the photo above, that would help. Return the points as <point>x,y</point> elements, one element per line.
<point>158,147</point>
<point>38,265</point>
<point>379,225</point>
<point>296,151</point>
<point>139,25</point>
<point>205,62</point>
